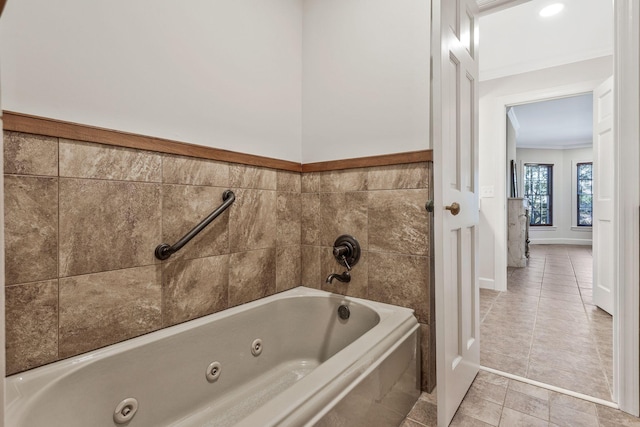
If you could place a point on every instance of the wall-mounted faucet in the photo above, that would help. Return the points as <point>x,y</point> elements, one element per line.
<point>345,277</point>
<point>346,251</point>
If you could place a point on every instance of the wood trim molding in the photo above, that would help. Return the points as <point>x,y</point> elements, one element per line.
<point>57,128</point>
<point>20,122</point>
<point>366,162</point>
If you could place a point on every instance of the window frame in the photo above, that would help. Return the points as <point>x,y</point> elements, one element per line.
<point>550,185</point>
<point>578,194</point>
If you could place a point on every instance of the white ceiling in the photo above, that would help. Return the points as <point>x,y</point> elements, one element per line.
<point>517,39</point>
<point>562,123</point>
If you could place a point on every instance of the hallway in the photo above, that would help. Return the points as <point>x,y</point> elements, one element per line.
<point>545,327</point>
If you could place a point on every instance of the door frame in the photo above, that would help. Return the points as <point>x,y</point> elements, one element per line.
<point>626,88</point>
<point>502,104</point>
<point>627,210</point>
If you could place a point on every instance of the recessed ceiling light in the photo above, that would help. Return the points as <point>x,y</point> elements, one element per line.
<point>552,9</point>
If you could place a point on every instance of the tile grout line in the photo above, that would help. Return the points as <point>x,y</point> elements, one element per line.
<point>535,321</point>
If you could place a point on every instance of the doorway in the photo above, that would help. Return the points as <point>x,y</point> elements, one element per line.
<point>546,327</point>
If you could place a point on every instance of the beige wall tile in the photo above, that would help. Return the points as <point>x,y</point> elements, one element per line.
<point>183,207</point>
<point>310,182</point>
<point>252,224</point>
<point>31,228</point>
<point>288,219</point>
<point>107,225</point>
<point>357,287</point>
<point>287,267</point>
<point>310,219</point>
<point>104,308</point>
<point>401,280</point>
<point>428,355</point>
<point>89,160</point>
<point>194,288</point>
<point>31,325</point>
<point>398,176</point>
<point>310,266</point>
<point>289,181</point>
<point>252,275</point>
<point>277,238</point>
<point>343,213</point>
<point>344,180</point>
<point>244,176</point>
<point>28,154</point>
<point>398,222</point>
<point>189,170</point>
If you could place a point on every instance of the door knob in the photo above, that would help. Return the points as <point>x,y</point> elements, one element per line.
<point>454,208</point>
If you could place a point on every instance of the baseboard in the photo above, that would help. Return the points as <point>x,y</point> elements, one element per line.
<point>487,283</point>
<point>558,241</point>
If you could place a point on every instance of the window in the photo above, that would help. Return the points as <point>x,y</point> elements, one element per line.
<point>538,183</point>
<point>585,194</point>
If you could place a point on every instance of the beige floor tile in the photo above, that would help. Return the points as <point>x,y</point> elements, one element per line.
<point>591,386</point>
<point>492,378</point>
<point>610,417</point>
<point>504,363</point>
<point>529,390</point>
<point>425,413</point>
<point>485,390</point>
<point>410,423</point>
<point>527,404</point>
<point>560,399</point>
<point>564,416</point>
<point>430,397</point>
<point>461,420</point>
<point>481,409</point>
<point>513,418</point>
<point>558,295</point>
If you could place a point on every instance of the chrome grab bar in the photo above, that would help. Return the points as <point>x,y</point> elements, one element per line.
<point>164,251</point>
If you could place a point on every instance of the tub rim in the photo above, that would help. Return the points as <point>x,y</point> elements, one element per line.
<point>33,382</point>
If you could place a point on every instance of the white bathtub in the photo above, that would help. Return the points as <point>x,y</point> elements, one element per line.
<point>314,369</point>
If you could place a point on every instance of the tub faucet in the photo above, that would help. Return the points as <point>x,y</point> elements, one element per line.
<point>344,277</point>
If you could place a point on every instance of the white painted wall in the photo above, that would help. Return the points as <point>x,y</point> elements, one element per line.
<point>579,77</point>
<point>228,74</point>
<point>217,73</point>
<point>564,230</point>
<point>365,78</point>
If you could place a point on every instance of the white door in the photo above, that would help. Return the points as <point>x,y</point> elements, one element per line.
<point>455,150</point>
<point>603,196</point>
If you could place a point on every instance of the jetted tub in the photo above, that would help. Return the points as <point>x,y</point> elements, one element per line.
<point>286,360</point>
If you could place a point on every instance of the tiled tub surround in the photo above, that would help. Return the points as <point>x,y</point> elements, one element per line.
<point>82,221</point>
<point>384,208</point>
<point>314,368</point>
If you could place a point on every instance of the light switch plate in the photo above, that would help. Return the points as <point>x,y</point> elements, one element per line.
<point>486,191</point>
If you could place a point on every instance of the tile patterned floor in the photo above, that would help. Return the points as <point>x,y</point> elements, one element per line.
<point>545,327</point>
<point>493,400</point>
